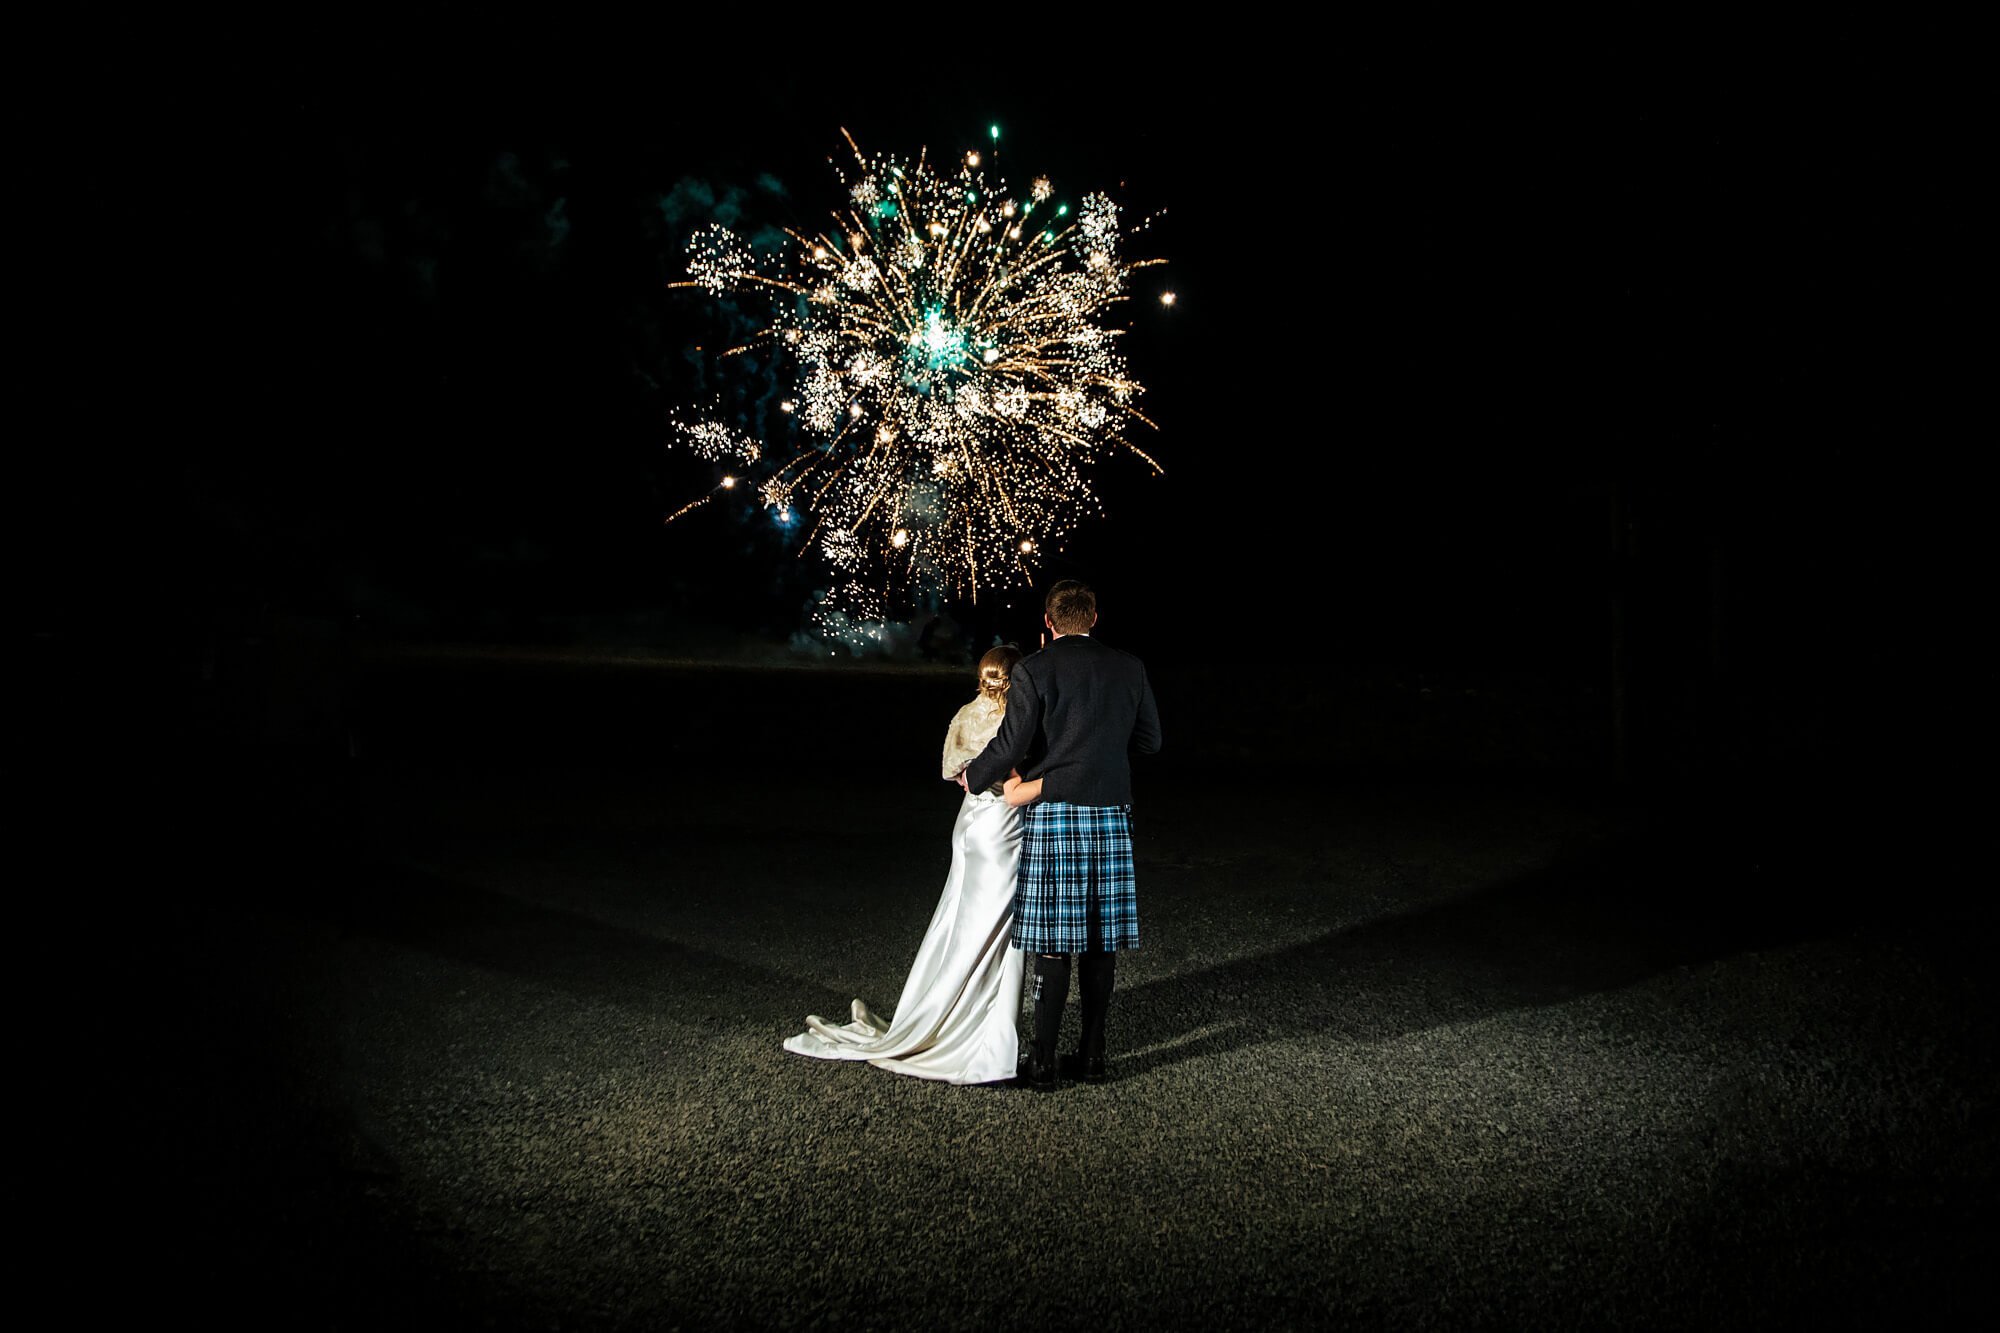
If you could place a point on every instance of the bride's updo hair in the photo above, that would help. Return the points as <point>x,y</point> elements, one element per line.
<point>996,672</point>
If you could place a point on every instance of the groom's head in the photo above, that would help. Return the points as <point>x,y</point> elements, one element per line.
<point>1070,607</point>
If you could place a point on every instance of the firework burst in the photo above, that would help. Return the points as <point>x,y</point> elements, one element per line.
<point>956,381</point>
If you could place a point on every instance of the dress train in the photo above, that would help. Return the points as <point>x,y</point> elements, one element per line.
<point>957,1018</point>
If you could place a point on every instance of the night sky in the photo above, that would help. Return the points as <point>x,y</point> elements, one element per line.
<point>377,314</point>
<point>1560,596</point>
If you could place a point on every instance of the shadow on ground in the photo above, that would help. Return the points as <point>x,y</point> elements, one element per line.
<point>1602,919</point>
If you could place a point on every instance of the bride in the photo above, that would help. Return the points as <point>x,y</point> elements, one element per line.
<point>957,1015</point>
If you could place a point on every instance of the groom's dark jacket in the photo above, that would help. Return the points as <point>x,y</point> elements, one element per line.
<point>1092,707</point>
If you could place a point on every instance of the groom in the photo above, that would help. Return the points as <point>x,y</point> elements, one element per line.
<point>1091,707</point>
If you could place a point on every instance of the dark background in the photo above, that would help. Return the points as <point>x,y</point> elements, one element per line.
<point>1562,576</point>
<point>1594,417</point>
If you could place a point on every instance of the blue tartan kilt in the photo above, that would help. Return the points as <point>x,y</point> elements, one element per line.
<point>1076,889</point>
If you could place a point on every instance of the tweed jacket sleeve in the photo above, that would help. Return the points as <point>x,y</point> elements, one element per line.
<point>1017,732</point>
<point>1146,728</point>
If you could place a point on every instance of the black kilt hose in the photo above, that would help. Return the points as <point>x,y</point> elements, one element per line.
<point>1076,890</point>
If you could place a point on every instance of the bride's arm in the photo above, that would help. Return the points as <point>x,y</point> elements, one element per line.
<point>958,748</point>
<point>1022,793</point>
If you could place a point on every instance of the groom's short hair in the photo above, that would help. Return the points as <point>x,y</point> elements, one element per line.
<point>1071,607</point>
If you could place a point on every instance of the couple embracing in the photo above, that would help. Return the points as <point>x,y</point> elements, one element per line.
<point>1041,867</point>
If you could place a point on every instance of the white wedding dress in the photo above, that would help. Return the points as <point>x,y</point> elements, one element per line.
<point>957,1018</point>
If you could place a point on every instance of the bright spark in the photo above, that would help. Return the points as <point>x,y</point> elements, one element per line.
<point>986,363</point>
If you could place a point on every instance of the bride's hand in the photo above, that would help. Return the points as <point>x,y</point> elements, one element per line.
<point>1021,793</point>
<point>1013,781</point>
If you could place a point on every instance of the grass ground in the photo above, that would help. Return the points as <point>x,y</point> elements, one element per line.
<point>1393,1054</point>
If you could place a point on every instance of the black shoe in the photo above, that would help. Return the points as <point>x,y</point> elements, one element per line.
<point>1036,1075</point>
<point>1090,1071</point>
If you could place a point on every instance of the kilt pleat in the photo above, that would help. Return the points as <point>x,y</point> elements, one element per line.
<point>1076,889</point>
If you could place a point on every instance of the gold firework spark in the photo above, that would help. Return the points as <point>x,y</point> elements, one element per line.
<point>956,379</point>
